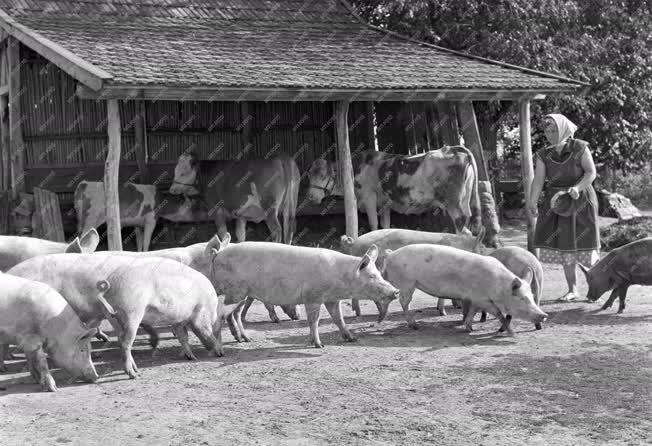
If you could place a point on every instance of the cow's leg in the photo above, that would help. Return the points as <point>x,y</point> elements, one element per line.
<point>441,306</point>
<point>240,229</point>
<point>181,332</point>
<point>275,230</point>
<point>150,224</point>
<point>611,299</point>
<point>312,315</point>
<point>335,311</point>
<point>355,303</point>
<point>371,209</point>
<point>622,294</point>
<point>139,238</point>
<point>385,217</point>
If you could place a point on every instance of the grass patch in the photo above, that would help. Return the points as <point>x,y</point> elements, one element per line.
<point>624,232</point>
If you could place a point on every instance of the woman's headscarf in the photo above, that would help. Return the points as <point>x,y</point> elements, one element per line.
<point>565,128</point>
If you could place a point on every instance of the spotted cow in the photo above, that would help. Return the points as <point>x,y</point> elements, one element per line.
<point>141,205</point>
<point>246,190</point>
<point>444,179</point>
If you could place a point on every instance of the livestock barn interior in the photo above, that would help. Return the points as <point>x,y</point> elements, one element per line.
<point>60,74</point>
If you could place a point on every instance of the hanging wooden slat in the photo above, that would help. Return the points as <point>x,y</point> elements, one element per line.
<point>5,200</point>
<point>47,216</point>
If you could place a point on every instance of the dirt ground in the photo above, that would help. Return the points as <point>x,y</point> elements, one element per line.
<point>585,379</point>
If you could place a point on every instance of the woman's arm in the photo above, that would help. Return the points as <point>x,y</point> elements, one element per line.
<point>537,184</point>
<point>589,174</point>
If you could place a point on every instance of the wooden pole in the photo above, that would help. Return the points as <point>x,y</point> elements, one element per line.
<point>141,142</point>
<point>246,125</point>
<point>346,168</point>
<point>5,171</point>
<point>111,181</point>
<point>527,170</point>
<point>17,145</point>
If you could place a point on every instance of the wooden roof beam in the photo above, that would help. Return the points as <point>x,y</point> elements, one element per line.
<point>312,95</point>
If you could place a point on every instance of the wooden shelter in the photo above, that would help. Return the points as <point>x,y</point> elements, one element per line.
<point>117,89</point>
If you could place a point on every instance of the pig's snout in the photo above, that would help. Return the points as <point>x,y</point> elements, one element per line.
<point>540,318</point>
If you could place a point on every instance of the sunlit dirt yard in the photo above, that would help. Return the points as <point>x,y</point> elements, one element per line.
<point>586,378</point>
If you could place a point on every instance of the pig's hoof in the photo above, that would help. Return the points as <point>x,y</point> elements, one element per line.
<point>275,319</point>
<point>48,384</point>
<point>218,352</point>
<point>348,337</point>
<point>318,345</point>
<point>468,328</point>
<point>190,356</point>
<point>620,311</point>
<point>483,318</point>
<point>538,326</point>
<point>443,313</point>
<point>507,334</point>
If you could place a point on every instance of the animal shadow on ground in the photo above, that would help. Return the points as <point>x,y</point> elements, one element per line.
<point>430,335</point>
<point>582,316</point>
<point>108,363</point>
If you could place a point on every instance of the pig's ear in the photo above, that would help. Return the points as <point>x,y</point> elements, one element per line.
<point>103,286</point>
<point>89,240</point>
<point>89,333</point>
<point>364,262</point>
<point>225,242</point>
<point>529,275</point>
<point>213,244</point>
<point>74,247</point>
<point>372,252</point>
<point>516,285</point>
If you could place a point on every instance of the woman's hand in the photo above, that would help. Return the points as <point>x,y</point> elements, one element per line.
<point>531,208</point>
<point>574,192</point>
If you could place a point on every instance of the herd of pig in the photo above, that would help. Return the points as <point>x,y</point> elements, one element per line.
<point>54,296</point>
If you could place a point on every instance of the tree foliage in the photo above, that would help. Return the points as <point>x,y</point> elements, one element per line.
<point>607,43</point>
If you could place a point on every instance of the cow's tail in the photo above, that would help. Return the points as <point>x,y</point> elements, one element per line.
<point>471,201</point>
<point>291,199</point>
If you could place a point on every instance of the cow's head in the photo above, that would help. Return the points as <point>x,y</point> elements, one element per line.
<point>186,175</point>
<point>322,180</point>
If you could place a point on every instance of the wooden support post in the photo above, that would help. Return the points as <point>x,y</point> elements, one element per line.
<point>111,181</point>
<point>17,145</point>
<point>346,168</point>
<point>5,169</point>
<point>372,142</point>
<point>141,142</point>
<point>471,135</point>
<point>527,170</point>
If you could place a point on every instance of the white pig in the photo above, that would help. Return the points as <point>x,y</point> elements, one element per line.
<point>447,271</point>
<point>289,275</point>
<point>39,320</point>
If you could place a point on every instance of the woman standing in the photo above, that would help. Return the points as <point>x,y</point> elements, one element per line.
<point>571,236</point>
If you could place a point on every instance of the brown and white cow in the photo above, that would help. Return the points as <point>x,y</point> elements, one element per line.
<point>141,205</point>
<point>246,190</point>
<point>445,179</point>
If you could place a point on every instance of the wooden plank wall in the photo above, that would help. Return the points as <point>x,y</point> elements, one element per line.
<point>48,224</point>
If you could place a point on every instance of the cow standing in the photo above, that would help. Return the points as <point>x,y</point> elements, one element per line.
<point>141,205</point>
<point>246,190</point>
<point>445,179</point>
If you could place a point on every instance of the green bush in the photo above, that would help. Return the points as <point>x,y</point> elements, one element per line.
<point>637,185</point>
<point>624,232</point>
